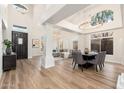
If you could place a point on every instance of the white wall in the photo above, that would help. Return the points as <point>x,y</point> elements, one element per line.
<point>68,41</point>
<point>67,38</point>
<point>5,14</point>
<point>81,42</point>
<point>3,17</point>
<point>37,34</point>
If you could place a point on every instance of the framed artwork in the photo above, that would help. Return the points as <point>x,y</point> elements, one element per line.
<point>61,45</point>
<point>35,43</point>
<point>75,44</point>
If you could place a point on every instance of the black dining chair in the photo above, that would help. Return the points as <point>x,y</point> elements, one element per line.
<point>96,61</point>
<point>79,60</point>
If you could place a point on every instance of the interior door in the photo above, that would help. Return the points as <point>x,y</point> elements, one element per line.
<point>20,44</point>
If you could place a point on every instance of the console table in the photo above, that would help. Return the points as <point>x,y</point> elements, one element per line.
<point>9,61</point>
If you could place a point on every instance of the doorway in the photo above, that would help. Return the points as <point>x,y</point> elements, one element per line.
<point>20,44</point>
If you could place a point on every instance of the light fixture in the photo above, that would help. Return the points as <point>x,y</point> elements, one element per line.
<point>97,20</point>
<point>21,8</point>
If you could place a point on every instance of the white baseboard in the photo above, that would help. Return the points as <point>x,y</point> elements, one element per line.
<point>29,57</point>
<point>47,61</point>
<point>122,63</point>
<point>111,61</point>
<point>36,55</point>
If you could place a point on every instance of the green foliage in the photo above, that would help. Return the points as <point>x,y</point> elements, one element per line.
<point>7,43</point>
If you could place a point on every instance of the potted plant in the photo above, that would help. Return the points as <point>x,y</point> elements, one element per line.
<point>8,45</point>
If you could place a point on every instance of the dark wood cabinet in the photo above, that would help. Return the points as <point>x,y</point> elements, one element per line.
<point>9,62</point>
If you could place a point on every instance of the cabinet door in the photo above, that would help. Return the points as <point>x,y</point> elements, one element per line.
<point>9,62</point>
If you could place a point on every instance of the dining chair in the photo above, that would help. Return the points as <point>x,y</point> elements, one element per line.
<point>96,61</point>
<point>73,55</point>
<point>103,58</point>
<point>79,60</point>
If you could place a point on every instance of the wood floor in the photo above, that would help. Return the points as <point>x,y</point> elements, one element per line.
<point>29,74</point>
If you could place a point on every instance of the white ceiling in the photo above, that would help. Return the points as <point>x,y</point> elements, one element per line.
<point>66,11</point>
<point>64,16</point>
<point>58,15</point>
<point>78,17</point>
<point>73,22</point>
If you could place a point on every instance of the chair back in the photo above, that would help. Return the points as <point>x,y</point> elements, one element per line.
<point>74,54</point>
<point>103,57</point>
<point>98,58</point>
<point>79,58</point>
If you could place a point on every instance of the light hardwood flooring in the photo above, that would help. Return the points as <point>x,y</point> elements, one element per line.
<point>29,74</point>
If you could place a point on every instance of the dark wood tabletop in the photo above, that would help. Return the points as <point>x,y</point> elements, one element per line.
<point>89,56</point>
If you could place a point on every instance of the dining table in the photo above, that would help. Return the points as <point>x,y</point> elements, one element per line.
<point>90,56</point>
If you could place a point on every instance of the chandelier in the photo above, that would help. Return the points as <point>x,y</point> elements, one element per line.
<point>97,20</point>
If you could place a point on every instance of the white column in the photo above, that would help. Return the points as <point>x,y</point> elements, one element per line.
<point>47,58</point>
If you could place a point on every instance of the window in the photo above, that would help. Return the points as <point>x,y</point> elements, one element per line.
<point>107,45</point>
<point>103,44</point>
<point>95,45</point>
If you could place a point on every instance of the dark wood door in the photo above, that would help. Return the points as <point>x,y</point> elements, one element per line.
<point>20,44</point>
